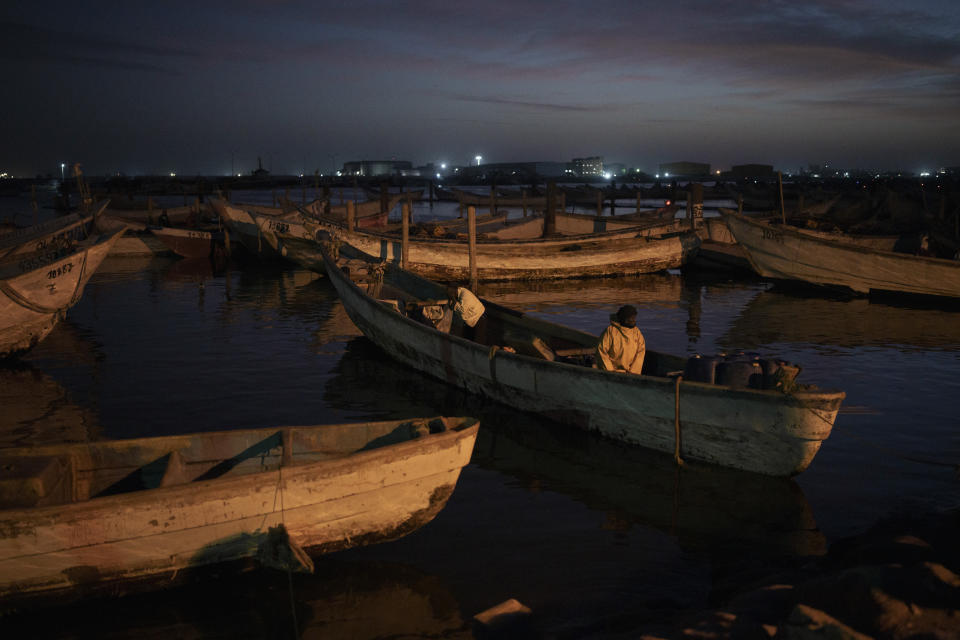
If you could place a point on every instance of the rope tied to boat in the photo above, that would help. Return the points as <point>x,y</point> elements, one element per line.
<point>955,466</point>
<point>676,419</point>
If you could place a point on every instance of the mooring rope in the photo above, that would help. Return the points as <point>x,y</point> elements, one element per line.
<point>909,458</point>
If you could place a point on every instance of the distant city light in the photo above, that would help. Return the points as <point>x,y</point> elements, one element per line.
<point>62,166</point>
<point>438,175</point>
<point>924,174</point>
<point>478,159</point>
<point>718,171</point>
<point>607,175</point>
<point>666,175</point>
<point>173,174</point>
<point>443,165</point>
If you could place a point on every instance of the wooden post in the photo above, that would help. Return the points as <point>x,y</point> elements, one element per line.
<point>550,213</point>
<point>405,235</point>
<point>613,203</point>
<point>783,211</point>
<point>384,197</point>
<point>599,203</point>
<point>472,245</point>
<point>639,198</point>
<point>523,201</point>
<point>695,197</point>
<point>351,214</point>
<point>431,193</point>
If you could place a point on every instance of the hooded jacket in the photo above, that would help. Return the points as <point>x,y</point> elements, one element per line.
<point>621,348</point>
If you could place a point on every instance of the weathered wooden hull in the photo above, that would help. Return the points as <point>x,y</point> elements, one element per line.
<point>760,431</point>
<point>331,487</point>
<point>792,254</point>
<point>113,219</point>
<point>241,226</point>
<point>36,290</point>
<point>53,234</point>
<point>189,243</point>
<point>589,255</point>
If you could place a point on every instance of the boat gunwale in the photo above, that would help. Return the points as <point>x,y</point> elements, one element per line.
<point>467,428</point>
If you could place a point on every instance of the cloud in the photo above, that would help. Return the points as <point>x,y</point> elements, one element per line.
<point>25,43</point>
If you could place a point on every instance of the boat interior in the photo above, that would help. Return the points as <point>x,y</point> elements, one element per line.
<point>69,473</point>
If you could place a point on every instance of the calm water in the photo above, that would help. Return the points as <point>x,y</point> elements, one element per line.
<point>594,537</point>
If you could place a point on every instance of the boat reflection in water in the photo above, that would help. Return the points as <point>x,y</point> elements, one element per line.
<point>359,600</point>
<point>37,409</point>
<point>710,510</point>
<point>772,316</point>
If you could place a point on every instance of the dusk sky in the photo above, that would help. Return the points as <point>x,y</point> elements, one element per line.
<point>198,87</point>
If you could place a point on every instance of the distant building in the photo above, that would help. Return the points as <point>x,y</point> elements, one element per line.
<point>684,169</point>
<point>591,166</point>
<point>745,171</point>
<point>368,168</point>
<point>514,170</point>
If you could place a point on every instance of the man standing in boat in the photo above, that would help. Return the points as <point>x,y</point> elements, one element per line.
<point>622,347</point>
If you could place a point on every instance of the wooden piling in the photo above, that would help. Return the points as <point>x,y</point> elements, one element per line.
<point>405,235</point>
<point>472,245</point>
<point>783,210</point>
<point>599,203</point>
<point>695,197</point>
<point>351,214</point>
<point>550,213</point>
<point>639,198</point>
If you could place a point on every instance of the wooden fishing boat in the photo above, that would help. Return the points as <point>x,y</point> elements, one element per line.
<point>189,243</point>
<point>139,220</point>
<point>56,233</point>
<point>250,223</point>
<point>628,251</point>
<point>788,253</point>
<point>763,431</point>
<point>36,289</point>
<point>80,519</point>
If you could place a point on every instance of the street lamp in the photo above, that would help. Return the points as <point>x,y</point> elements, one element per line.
<point>478,159</point>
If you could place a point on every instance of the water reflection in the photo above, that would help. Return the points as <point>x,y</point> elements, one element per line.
<point>359,600</point>
<point>708,510</point>
<point>38,410</point>
<point>789,316</point>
